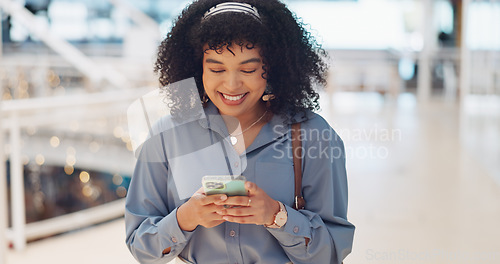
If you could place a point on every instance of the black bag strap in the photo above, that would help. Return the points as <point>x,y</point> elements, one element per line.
<point>299,202</point>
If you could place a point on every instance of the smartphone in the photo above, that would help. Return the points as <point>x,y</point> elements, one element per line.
<point>231,185</point>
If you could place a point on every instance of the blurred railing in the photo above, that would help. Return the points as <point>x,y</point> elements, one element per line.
<point>58,112</point>
<point>379,71</point>
<point>364,70</point>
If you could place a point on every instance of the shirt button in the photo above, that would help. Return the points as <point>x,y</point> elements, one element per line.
<point>232,233</point>
<point>174,239</point>
<point>296,229</point>
<point>236,164</point>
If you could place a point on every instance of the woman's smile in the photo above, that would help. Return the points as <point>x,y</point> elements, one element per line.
<point>233,99</point>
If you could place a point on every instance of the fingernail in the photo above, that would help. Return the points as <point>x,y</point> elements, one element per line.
<point>225,218</point>
<point>223,197</point>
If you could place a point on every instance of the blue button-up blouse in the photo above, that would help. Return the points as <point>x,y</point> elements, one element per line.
<point>173,160</point>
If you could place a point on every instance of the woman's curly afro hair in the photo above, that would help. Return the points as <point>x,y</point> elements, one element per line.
<point>293,60</point>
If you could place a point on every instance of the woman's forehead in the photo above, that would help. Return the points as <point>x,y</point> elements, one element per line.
<point>240,51</point>
<point>231,45</point>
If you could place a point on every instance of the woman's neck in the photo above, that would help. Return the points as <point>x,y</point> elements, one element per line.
<point>246,119</point>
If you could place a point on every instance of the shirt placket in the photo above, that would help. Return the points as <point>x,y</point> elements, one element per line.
<point>232,237</point>
<point>237,162</point>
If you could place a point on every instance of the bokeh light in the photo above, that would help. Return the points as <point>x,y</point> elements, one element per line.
<point>87,191</point>
<point>117,179</point>
<point>54,142</point>
<point>84,177</point>
<point>40,159</point>
<point>69,169</point>
<point>70,160</point>
<point>121,191</point>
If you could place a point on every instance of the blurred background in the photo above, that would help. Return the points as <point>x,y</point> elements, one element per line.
<point>413,90</point>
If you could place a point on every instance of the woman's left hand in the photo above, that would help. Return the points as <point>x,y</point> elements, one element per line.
<point>256,208</point>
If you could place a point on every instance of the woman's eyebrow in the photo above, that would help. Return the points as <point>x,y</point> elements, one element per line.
<point>213,61</point>
<point>257,60</point>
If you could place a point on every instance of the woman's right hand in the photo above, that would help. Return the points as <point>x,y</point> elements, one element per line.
<point>200,210</point>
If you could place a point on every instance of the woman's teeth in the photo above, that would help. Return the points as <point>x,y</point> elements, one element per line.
<point>233,98</point>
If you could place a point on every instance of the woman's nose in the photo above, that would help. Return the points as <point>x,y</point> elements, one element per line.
<point>233,81</point>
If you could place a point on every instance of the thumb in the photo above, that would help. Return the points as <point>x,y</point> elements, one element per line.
<point>199,192</point>
<point>251,187</point>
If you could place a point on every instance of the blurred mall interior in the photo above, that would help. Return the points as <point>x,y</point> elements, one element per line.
<point>413,90</point>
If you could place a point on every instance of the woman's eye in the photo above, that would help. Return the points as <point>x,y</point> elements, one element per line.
<point>216,71</point>
<point>251,71</point>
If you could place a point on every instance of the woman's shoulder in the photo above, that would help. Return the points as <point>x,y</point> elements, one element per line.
<point>307,119</point>
<point>163,124</point>
<point>169,123</point>
<point>311,120</point>
<point>316,128</point>
<point>315,120</point>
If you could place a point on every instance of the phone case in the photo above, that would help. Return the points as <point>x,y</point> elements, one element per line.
<point>224,184</point>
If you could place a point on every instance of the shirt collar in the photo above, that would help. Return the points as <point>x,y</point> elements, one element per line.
<point>213,120</point>
<point>276,128</point>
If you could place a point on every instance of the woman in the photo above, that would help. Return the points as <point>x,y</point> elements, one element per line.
<point>255,67</point>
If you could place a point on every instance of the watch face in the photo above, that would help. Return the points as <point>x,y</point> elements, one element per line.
<point>281,218</point>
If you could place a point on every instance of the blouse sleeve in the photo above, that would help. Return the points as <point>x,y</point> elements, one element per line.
<point>324,184</point>
<point>150,226</point>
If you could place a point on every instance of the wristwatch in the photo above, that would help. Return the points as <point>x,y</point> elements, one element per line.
<point>280,217</point>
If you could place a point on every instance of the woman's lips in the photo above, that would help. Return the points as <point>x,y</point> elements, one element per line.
<point>233,99</point>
